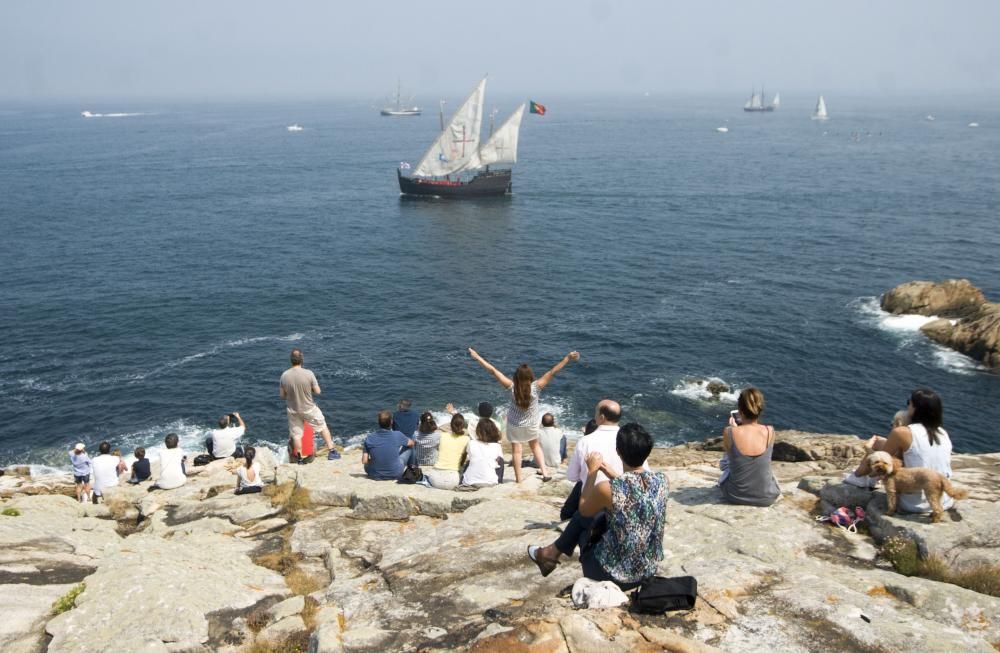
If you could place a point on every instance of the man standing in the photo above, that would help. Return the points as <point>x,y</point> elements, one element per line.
<point>386,453</point>
<point>297,387</point>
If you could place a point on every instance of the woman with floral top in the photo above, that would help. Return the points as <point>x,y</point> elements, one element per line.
<point>619,526</point>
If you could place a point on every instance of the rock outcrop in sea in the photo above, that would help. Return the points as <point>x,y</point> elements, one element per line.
<point>329,561</point>
<point>969,324</point>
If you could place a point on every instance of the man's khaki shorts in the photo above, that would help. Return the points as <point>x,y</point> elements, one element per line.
<point>296,423</point>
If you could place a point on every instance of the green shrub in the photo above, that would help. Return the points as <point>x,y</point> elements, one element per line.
<point>11,512</point>
<point>68,600</point>
<point>905,558</point>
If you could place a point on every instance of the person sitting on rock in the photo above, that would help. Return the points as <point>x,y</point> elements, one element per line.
<point>248,480</point>
<point>224,441</point>
<point>625,541</point>
<point>140,468</point>
<point>485,457</point>
<point>172,471</point>
<point>483,411</point>
<point>551,440</point>
<point>451,457</point>
<point>921,443</point>
<point>405,419</point>
<point>747,478</point>
<point>426,441</point>
<point>107,467</point>
<point>386,453</point>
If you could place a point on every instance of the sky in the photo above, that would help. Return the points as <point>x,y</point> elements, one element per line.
<point>226,49</point>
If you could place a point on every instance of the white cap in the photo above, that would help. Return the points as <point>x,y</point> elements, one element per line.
<point>79,447</point>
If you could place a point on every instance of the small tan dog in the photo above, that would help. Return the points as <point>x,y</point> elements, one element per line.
<point>904,480</point>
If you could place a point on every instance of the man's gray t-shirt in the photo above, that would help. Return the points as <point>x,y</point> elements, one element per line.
<point>298,382</point>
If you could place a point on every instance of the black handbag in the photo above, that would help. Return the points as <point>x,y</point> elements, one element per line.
<point>412,474</point>
<point>657,595</point>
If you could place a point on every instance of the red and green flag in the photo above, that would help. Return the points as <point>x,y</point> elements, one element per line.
<point>534,107</point>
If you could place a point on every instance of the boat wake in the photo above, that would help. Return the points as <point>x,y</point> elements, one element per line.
<point>88,114</point>
<point>72,381</point>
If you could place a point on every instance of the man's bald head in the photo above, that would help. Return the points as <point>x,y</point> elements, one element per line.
<point>607,412</point>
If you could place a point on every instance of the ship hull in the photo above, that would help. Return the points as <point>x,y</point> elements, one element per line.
<point>400,112</point>
<point>758,110</point>
<point>484,184</point>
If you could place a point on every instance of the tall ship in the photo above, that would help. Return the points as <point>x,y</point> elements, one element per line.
<point>397,108</point>
<point>756,102</point>
<point>820,112</point>
<point>457,164</point>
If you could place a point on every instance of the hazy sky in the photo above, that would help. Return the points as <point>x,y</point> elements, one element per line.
<point>270,50</point>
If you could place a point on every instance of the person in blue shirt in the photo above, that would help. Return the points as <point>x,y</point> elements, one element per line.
<point>405,420</point>
<point>386,453</point>
<point>81,471</point>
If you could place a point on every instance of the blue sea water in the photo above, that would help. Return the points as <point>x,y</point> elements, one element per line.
<point>157,269</point>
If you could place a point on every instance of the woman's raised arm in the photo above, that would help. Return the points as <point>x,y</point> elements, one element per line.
<point>547,377</point>
<point>497,374</point>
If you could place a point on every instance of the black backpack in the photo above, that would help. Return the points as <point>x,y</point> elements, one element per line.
<point>412,474</point>
<point>657,595</point>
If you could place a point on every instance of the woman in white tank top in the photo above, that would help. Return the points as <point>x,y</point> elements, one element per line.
<point>924,443</point>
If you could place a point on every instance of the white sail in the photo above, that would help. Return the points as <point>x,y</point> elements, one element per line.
<point>776,102</point>
<point>459,141</point>
<point>755,101</point>
<point>820,113</point>
<point>502,145</point>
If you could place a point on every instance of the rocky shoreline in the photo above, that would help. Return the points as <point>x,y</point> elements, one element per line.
<point>967,322</point>
<point>329,561</point>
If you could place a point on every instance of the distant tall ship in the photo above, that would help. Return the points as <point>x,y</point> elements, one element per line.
<point>457,165</point>
<point>397,108</point>
<point>820,112</point>
<point>756,102</point>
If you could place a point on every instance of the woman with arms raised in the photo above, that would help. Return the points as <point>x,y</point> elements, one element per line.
<point>522,416</point>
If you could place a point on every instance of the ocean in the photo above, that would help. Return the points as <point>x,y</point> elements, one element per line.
<point>158,268</point>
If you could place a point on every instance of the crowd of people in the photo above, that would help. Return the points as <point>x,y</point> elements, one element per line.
<point>617,508</point>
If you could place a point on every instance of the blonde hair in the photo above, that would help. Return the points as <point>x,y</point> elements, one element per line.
<point>751,403</point>
<point>901,418</point>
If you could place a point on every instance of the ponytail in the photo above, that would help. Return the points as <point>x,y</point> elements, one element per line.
<point>250,454</point>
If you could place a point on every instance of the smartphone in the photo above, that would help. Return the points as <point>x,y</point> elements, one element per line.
<point>735,414</point>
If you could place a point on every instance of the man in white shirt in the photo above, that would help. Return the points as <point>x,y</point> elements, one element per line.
<point>603,440</point>
<point>222,443</point>
<point>106,467</point>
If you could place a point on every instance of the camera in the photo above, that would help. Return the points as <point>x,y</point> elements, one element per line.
<point>735,414</point>
<point>233,420</point>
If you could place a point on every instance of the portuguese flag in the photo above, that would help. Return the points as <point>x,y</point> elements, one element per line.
<point>536,108</point>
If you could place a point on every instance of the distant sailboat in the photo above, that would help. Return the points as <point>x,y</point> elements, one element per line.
<point>820,112</point>
<point>457,151</point>
<point>397,108</point>
<point>756,102</point>
<point>295,128</point>
<point>776,102</point>
<point>930,118</point>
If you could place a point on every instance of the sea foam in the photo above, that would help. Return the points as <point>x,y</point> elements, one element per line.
<point>697,390</point>
<point>906,328</point>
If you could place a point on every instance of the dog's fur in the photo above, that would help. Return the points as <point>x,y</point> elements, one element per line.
<point>904,480</point>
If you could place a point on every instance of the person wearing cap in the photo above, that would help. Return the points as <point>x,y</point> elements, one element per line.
<point>81,471</point>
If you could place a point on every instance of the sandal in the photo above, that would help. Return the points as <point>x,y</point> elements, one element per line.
<point>544,566</point>
<point>546,479</point>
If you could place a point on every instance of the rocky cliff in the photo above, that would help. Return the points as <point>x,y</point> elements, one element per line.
<point>969,324</point>
<point>330,561</point>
